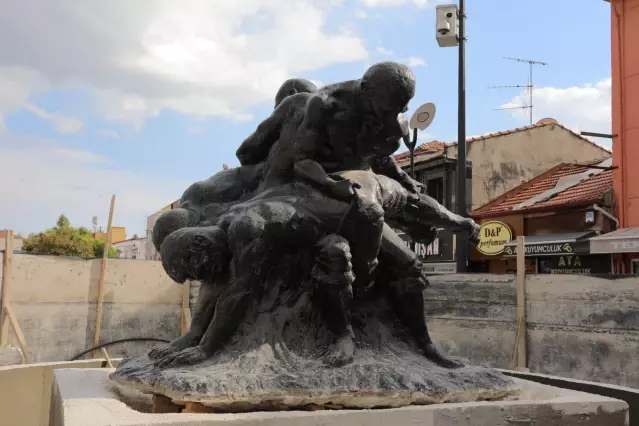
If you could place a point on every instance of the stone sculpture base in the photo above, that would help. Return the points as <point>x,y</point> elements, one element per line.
<point>275,361</point>
<point>86,396</point>
<point>267,379</point>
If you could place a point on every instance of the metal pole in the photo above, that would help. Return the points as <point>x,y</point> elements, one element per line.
<point>412,154</point>
<point>413,244</point>
<point>462,245</point>
<point>531,93</point>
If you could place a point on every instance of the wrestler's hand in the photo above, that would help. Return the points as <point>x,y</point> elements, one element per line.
<point>415,187</point>
<point>473,232</point>
<point>345,189</point>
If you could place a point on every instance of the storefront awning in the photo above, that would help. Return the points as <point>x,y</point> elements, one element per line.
<point>552,245</point>
<point>625,240</point>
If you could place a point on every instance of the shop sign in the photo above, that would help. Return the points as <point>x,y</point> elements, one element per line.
<point>494,236</point>
<point>547,249</point>
<point>423,250</point>
<point>440,268</point>
<point>575,264</point>
<point>441,249</point>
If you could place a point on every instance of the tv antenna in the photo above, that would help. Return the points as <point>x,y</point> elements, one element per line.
<point>529,87</point>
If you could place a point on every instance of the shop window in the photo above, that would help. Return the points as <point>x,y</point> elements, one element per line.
<point>435,189</point>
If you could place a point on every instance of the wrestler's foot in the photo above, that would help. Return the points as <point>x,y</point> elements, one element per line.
<point>440,358</point>
<point>188,356</point>
<point>340,352</point>
<point>177,345</point>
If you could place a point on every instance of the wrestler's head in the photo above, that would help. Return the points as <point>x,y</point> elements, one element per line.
<point>171,221</point>
<point>385,91</point>
<point>293,86</point>
<point>195,253</point>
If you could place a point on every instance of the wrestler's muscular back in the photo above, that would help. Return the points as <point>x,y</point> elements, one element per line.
<point>343,124</point>
<point>278,167</point>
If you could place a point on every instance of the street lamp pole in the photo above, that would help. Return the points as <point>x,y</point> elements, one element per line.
<point>420,120</point>
<point>451,31</point>
<point>462,242</point>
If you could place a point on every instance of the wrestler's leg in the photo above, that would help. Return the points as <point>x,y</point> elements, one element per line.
<point>406,284</point>
<point>333,276</point>
<point>362,227</point>
<point>202,316</point>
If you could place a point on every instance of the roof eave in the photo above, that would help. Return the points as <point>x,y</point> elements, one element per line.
<point>533,209</point>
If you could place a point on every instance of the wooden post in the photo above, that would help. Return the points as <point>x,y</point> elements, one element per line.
<point>6,284</point>
<point>105,354</point>
<point>185,317</point>
<point>105,257</point>
<point>521,305</point>
<point>18,331</point>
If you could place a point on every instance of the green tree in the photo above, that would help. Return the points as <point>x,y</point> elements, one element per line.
<point>98,249</point>
<point>63,222</point>
<point>65,240</point>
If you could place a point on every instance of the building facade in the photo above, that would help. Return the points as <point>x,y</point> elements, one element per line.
<point>558,212</point>
<point>118,233</point>
<point>504,160</point>
<point>133,248</point>
<point>150,252</point>
<point>624,245</point>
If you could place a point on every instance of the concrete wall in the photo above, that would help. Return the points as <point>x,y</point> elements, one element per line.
<point>578,326</point>
<point>501,163</point>
<point>581,327</point>
<point>54,299</point>
<point>25,391</point>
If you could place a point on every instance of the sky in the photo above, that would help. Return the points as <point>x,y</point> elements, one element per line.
<point>141,98</point>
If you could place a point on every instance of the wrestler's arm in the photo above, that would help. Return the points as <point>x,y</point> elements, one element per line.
<point>426,210</point>
<point>387,166</point>
<point>256,147</point>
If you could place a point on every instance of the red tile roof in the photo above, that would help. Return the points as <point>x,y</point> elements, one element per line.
<point>587,191</point>
<point>436,146</point>
<point>433,146</point>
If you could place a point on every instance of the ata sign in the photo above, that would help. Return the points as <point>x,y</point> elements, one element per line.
<point>493,237</point>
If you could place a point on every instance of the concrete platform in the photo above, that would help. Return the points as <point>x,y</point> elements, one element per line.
<point>87,397</point>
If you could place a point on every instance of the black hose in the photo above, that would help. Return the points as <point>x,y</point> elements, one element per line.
<point>113,342</point>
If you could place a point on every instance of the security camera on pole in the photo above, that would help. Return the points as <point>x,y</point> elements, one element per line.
<point>450,32</point>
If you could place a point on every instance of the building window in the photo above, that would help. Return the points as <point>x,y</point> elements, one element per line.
<point>435,189</point>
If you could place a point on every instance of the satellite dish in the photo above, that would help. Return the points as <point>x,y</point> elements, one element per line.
<point>424,115</point>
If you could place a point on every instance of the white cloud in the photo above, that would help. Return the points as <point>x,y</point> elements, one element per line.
<point>46,179</point>
<point>361,14</point>
<point>15,85</point>
<point>63,124</point>
<point>201,58</point>
<point>108,133</point>
<point>582,108</point>
<point>414,61</point>
<point>393,3</point>
<point>383,51</point>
